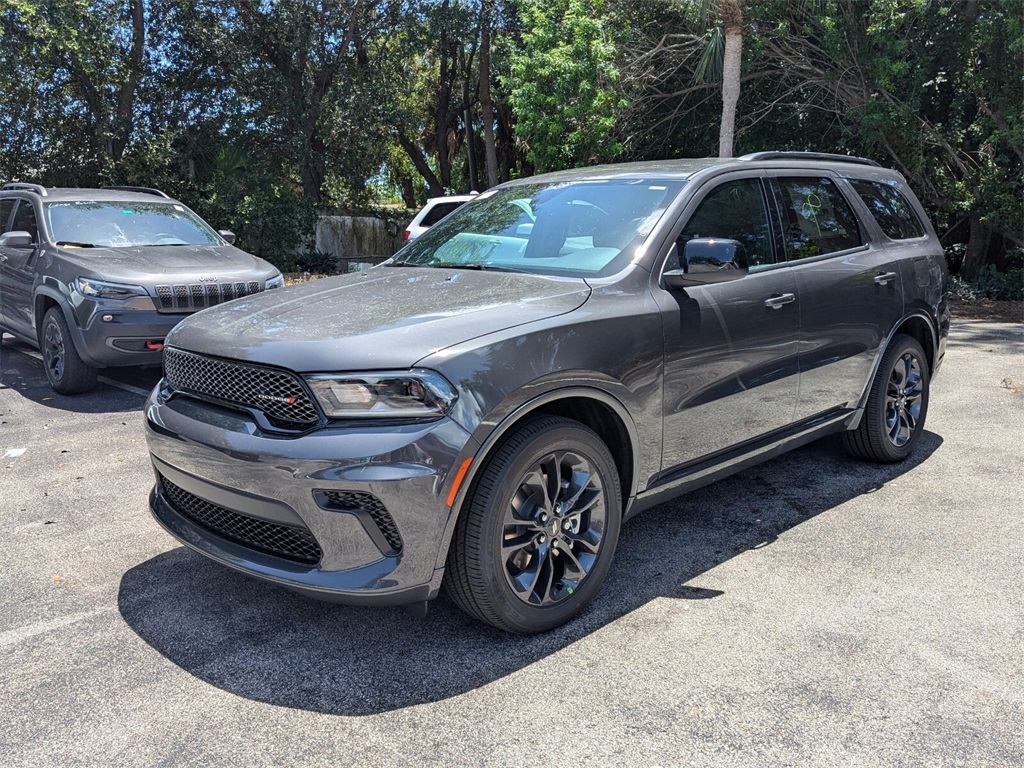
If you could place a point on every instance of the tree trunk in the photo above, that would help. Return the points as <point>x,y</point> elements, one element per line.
<point>434,186</point>
<point>732,19</point>
<point>486,105</point>
<point>978,243</point>
<point>123,122</point>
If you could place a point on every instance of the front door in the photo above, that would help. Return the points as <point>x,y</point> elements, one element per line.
<point>17,273</point>
<point>731,349</point>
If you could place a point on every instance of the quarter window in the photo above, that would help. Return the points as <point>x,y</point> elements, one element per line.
<point>890,208</point>
<point>816,218</point>
<point>734,210</point>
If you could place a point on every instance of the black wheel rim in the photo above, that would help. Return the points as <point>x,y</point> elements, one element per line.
<point>53,351</point>
<point>553,528</point>
<point>904,398</point>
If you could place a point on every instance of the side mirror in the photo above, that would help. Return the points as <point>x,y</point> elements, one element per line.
<point>709,260</point>
<point>228,235</point>
<point>17,239</point>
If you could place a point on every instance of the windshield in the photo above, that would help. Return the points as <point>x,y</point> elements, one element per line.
<point>583,229</point>
<point>122,225</point>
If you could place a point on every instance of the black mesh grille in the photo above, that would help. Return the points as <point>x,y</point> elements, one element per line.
<point>187,298</point>
<point>280,395</point>
<point>284,541</point>
<point>374,507</point>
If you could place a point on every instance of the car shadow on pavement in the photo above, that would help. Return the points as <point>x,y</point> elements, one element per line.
<point>265,643</point>
<point>21,370</point>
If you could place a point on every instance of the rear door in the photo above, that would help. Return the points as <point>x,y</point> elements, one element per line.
<point>17,272</point>
<point>731,349</point>
<point>850,289</point>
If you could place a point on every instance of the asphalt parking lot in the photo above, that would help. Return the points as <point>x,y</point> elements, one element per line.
<point>812,611</point>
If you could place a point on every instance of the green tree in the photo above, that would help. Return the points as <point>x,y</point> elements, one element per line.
<point>563,83</point>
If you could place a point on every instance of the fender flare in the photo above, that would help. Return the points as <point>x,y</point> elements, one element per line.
<point>502,428</point>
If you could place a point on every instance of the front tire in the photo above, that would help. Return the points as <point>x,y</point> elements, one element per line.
<point>537,534</point>
<point>897,404</point>
<point>67,373</point>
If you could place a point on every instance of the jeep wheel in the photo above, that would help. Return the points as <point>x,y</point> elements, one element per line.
<point>537,535</point>
<point>897,405</point>
<point>66,371</point>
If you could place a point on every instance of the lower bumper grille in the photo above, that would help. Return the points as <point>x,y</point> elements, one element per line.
<point>360,503</point>
<point>283,541</point>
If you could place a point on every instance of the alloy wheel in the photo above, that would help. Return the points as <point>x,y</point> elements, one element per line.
<point>553,528</point>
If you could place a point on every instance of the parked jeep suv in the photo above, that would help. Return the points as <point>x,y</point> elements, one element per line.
<point>483,411</point>
<point>98,277</point>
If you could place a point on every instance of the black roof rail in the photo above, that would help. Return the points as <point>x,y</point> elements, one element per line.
<point>39,189</point>
<point>144,190</point>
<point>819,156</point>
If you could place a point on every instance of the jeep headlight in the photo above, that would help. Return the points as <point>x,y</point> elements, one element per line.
<point>99,289</point>
<point>416,394</point>
<point>277,281</point>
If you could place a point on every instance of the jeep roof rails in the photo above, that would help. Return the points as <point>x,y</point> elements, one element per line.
<point>144,190</point>
<point>39,189</point>
<point>819,156</point>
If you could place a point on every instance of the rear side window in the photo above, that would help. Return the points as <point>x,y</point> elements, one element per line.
<point>890,208</point>
<point>438,212</point>
<point>816,218</point>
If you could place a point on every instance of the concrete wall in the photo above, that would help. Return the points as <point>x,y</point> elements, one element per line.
<point>357,241</point>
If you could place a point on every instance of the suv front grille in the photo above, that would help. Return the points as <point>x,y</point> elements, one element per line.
<point>284,541</point>
<point>279,395</point>
<point>188,298</point>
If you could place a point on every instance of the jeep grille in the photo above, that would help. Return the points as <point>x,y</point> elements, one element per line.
<point>188,298</point>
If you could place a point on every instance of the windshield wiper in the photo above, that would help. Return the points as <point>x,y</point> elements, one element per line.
<point>478,267</point>
<point>73,244</point>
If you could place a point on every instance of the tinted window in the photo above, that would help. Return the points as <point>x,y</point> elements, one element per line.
<point>6,206</point>
<point>119,225</point>
<point>560,228</point>
<point>25,219</point>
<point>734,211</point>
<point>816,218</point>
<point>437,213</point>
<point>890,208</point>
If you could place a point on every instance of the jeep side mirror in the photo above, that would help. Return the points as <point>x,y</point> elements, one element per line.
<point>17,239</point>
<point>228,235</point>
<point>707,260</point>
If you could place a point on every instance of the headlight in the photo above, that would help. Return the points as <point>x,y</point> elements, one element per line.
<point>415,394</point>
<point>275,282</point>
<point>97,289</point>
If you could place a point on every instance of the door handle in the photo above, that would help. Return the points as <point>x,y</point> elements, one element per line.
<point>777,302</point>
<point>885,277</point>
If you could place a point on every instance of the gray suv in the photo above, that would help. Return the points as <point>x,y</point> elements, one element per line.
<point>484,410</point>
<point>98,277</point>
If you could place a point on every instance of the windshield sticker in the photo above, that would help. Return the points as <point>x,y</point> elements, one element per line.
<point>127,211</point>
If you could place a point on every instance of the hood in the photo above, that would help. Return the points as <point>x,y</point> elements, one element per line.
<point>158,264</point>
<point>388,317</point>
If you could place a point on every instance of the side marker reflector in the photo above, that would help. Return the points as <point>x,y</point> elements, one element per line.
<point>459,477</point>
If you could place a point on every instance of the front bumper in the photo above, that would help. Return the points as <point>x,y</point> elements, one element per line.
<point>226,469</point>
<point>121,337</point>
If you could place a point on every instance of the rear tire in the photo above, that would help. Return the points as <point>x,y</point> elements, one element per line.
<point>538,531</point>
<point>67,373</point>
<point>897,404</point>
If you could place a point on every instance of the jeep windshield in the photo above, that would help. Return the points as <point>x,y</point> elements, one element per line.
<point>124,225</point>
<point>577,229</point>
